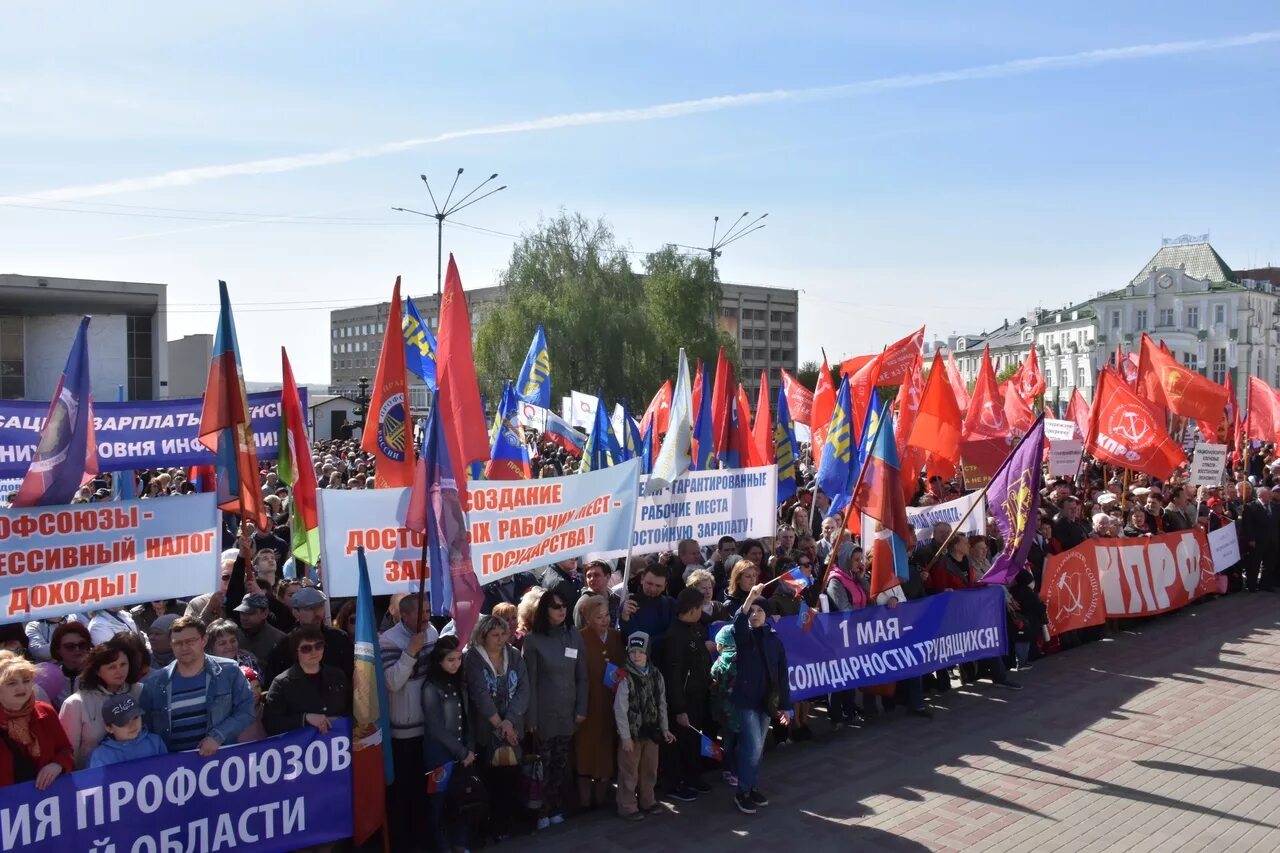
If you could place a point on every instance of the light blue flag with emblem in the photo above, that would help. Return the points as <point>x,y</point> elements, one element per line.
<point>534,384</point>
<point>785,449</point>
<point>602,447</point>
<point>837,469</point>
<point>419,345</point>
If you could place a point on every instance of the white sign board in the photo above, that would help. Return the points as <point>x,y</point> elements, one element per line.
<point>1225,547</point>
<point>1056,430</point>
<point>1064,458</point>
<point>582,410</point>
<point>923,518</point>
<point>1207,464</point>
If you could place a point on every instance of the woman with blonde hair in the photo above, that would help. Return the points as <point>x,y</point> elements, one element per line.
<point>704,582</point>
<point>596,740</point>
<point>33,745</point>
<point>525,611</point>
<point>744,575</point>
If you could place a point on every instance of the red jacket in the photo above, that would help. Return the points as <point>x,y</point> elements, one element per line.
<point>54,746</point>
<point>940,579</point>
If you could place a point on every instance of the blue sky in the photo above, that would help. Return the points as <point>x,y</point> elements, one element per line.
<point>956,198</point>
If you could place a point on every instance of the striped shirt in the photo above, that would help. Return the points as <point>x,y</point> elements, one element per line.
<point>189,718</point>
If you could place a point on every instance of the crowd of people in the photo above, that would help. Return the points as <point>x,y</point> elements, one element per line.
<point>583,686</point>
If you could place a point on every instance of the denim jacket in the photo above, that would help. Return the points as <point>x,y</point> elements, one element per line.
<point>228,698</point>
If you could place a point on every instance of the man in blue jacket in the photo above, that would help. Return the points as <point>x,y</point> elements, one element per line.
<point>199,701</point>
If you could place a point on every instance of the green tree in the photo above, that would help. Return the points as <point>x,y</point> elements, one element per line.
<point>682,309</point>
<point>1007,371</point>
<point>807,375</point>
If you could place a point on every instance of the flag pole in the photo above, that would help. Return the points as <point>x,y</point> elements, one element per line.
<point>626,566</point>
<point>835,546</point>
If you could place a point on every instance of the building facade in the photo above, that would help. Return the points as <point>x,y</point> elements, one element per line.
<point>763,320</point>
<point>127,344</point>
<point>189,358</point>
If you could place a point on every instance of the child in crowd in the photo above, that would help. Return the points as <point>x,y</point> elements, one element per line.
<point>128,738</point>
<point>640,712</point>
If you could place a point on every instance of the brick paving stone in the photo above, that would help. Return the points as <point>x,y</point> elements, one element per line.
<point>1166,736</point>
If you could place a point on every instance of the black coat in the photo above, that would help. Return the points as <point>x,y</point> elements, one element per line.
<point>339,652</point>
<point>686,667</point>
<point>294,694</point>
<point>1259,526</point>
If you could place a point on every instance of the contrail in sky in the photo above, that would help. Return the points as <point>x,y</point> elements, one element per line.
<point>676,109</point>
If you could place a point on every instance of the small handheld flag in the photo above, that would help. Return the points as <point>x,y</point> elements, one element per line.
<point>806,616</point>
<point>711,749</point>
<point>613,676</point>
<point>438,779</point>
<point>796,581</point>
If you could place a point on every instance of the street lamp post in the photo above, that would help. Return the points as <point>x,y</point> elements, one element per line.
<point>443,212</point>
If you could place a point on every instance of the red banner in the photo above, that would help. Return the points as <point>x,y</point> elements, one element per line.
<point>1118,578</point>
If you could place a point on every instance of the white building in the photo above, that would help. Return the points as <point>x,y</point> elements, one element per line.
<point>127,343</point>
<point>1066,342</point>
<point>189,358</point>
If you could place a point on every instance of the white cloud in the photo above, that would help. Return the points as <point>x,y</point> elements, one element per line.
<point>1012,68</point>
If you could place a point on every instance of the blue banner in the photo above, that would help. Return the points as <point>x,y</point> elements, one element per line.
<point>877,645</point>
<point>57,560</point>
<point>283,793</point>
<point>141,434</point>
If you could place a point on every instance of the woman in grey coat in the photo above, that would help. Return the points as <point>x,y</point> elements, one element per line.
<point>498,686</point>
<point>557,664</point>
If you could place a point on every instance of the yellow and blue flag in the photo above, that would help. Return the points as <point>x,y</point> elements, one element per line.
<point>784,448</point>
<point>601,450</point>
<point>534,384</point>
<point>704,451</point>
<point>629,443</point>
<point>509,456</point>
<point>419,345</point>
<point>837,469</point>
<point>646,450</point>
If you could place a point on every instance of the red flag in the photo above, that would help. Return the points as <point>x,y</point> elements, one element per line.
<point>958,387</point>
<point>741,441</point>
<point>1262,423</point>
<point>1179,389</point>
<point>388,424</point>
<point>1030,380</point>
<point>1078,411</point>
<point>985,417</point>
<point>721,400</point>
<point>824,403</point>
<point>908,404</point>
<point>853,364</point>
<point>799,400</point>
<point>1128,430</point>
<point>938,422</point>
<point>898,359</point>
<point>696,393</point>
<point>459,394</point>
<point>659,411</point>
<point>1017,408</point>
<point>762,430</point>
<point>862,394</point>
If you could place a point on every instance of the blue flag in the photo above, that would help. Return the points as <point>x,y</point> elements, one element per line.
<point>646,449</point>
<point>704,453</point>
<point>508,455</point>
<point>123,485</point>
<point>601,450</point>
<point>784,448</point>
<point>67,456</point>
<point>534,384</point>
<point>837,470</point>
<point>370,708</point>
<point>419,345</point>
<point>629,442</point>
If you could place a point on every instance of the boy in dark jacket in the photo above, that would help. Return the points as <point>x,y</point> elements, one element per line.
<point>760,693</point>
<point>686,668</point>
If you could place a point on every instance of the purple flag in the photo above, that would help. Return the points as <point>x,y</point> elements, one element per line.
<point>1013,499</point>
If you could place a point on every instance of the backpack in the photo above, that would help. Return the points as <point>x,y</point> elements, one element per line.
<point>467,797</point>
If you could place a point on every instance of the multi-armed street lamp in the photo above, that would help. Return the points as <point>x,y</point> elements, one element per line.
<point>449,208</point>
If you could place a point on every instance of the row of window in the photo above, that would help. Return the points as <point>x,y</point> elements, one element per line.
<point>760,314</point>
<point>351,346</point>
<point>785,336</point>
<point>1166,318</point>
<point>359,330</point>
<point>756,354</point>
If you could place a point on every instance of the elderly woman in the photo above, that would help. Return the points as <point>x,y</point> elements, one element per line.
<point>498,686</point>
<point>704,582</point>
<point>524,614</point>
<point>555,658</point>
<point>33,745</point>
<point>596,740</point>
<point>108,674</point>
<point>69,650</point>
<point>744,575</point>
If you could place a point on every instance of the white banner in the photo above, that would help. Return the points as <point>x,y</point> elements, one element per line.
<point>533,417</point>
<point>705,505</point>
<point>1064,458</point>
<point>1225,547</point>
<point>582,409</point>
<point>515,525</point>
<point>923,518</point>
<point>1207,464</point>
<point>1057,430</point>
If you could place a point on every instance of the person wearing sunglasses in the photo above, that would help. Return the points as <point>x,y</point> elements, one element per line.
<point>69,649</point>
<point>307,693</point>
<point>556,659</point>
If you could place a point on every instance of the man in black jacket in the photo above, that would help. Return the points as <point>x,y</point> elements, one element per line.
<point>1260,540</point>
<point>686,669</point>
<point>1068,527</point>
<point>309,606</point>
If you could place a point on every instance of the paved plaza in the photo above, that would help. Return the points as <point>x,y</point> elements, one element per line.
<point>1163,737</point>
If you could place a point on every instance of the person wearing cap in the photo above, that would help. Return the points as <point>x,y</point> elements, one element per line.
<point>158,638</point>
<point>640,713</point>
<point>199,701</point>
<point>109,675</point>
<point>310,606</point>
<point>127,738</point>
<point>260,636</point>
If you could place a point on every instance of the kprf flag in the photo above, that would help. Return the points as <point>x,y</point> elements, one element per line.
<point>985,417</point>
<point>1179,389</point>
<point>824,401</point>
<point>435,511</point>
<point>296,470</point>
<point>878,496</point>
<point>785,449</point>
<point>836,467</point>
<point>1128,430</point>
<point>1017,408</point>
<point>1013,499</point>
<point>1029,379</point>
<point>674,457</point>
<point>459,394</point>
<point>601,450</point>
<point>741,451</point>
<point>372,769</point>
<point>534,383</point>
<point>762,428</point>
<point>958,387</point>
<point>226,427</point>
<point>1078,411</point>
<point>419,345</point>
<point>67,456</point>
<point>910,395</point>
<point>388,428</point>
<point>509,456</point>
